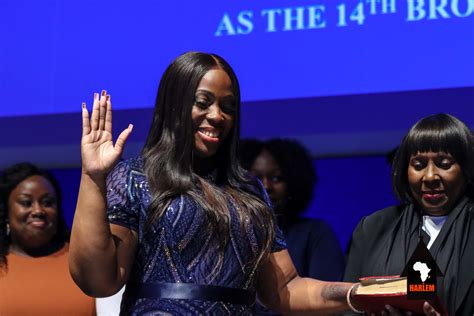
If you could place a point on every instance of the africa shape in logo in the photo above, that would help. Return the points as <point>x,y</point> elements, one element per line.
<point>421,271</point>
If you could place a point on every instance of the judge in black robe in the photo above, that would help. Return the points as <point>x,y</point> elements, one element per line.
<point>433,174</point>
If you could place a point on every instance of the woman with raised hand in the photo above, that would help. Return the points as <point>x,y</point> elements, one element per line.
<point>182,225</point>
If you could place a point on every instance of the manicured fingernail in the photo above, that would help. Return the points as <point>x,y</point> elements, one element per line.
<point>108,97</point>
<point>104,92</point>
<point>130,126</point>
<point>83,105</point>
<point>96,95</point>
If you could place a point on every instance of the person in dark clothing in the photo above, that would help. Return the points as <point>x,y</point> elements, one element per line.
<point>287,172</point>
<point>432,175</point>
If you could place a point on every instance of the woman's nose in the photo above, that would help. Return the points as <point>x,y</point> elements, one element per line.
<point>37,208</point>
<point>431,173</point>
<point>215,113</point>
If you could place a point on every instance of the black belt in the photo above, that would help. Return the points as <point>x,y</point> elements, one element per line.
<point>190,291</point>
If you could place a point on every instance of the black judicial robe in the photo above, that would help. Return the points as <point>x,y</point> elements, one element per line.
<point>383,242</point>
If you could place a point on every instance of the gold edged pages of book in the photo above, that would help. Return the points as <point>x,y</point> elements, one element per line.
<point>382,285</point>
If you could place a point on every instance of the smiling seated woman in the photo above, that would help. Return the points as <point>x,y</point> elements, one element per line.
<point>34,274</point>
<point>433,176</point>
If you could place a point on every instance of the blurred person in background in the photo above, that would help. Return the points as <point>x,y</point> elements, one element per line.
<point>34,274</point>
<point>287,172</point>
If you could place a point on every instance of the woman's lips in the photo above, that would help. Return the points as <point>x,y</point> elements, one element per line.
<point>432,196</point>
<point>38,223</point>
<point>209,136</point>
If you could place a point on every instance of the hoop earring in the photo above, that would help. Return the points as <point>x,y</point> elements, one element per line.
<point>8,229</point>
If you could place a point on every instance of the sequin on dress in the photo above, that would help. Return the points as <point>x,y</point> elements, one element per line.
<point>180,248</point>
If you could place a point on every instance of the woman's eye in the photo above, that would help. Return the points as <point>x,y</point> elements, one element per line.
<point>228,107</point>
<point>446,164</point>
<point>276,179</point>
<point>418,165</point>
<point>201,102</point>
<point>49,202</point>
<point>25,203</point>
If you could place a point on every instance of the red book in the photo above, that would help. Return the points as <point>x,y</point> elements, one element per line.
<point>377,291</point>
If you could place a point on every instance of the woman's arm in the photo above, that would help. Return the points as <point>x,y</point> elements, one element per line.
<point>280,288</point>
<point>100,254</point>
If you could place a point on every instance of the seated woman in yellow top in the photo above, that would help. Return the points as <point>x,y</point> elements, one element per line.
<point>34,274</point>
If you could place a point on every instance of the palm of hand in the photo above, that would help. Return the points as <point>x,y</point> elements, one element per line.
<point>99,154</point>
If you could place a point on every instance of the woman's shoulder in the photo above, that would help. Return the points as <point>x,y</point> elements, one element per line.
<point>379,220</point>
<point>386,213</point>
<point>59,254</point>
<point>126,168</point>
<point>470,207</point>
<point>126,185</point>
<point>131,164</point>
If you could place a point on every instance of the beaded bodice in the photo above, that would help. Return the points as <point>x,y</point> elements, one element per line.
<point>180,246</point>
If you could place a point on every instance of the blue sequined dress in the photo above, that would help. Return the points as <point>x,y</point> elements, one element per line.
<point>180,247</point>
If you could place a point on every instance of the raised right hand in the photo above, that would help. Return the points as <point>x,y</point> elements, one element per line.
<point>98,152</point>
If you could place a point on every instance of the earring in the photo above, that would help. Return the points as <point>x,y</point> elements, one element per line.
<point>8,229</point>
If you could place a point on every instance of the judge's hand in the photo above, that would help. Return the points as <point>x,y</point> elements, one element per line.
<point>98,152</point>
<point>392,311</point>
<point>429,310</point>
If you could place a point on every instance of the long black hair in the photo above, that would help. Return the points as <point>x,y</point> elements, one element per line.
<point>168,152</point>
<point>9,180</point>
<point>437,133</point>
